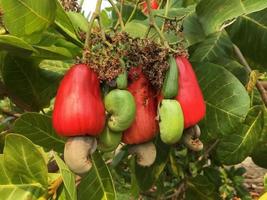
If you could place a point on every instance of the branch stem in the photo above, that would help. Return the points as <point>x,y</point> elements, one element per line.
<point>120,20</point>
<point>259,85</point>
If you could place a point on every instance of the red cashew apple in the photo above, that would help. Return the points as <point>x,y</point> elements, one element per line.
<point>79,109</point>
<point>145,126</point>
<point>189,93</point>
<point>154,6</point>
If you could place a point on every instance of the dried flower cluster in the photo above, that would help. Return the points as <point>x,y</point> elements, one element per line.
<point>71,5</point>
<point>105,56</point>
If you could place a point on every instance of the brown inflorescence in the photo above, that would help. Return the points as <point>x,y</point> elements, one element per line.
<point>71,5</point>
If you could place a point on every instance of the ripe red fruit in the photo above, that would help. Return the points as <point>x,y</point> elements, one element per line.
<point>145,126</point>
<point>79,109</point>
<point>154,6</point>
<point>189,93</point>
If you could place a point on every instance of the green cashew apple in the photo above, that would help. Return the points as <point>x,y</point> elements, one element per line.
<point>109,140</point>
<point>121,107</point>
<point>171,123</point>
<point>170,85</point>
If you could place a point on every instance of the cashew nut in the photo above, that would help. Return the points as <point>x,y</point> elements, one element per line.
<point>191,138</point>
<point>145,153</point>
<point>77,153</point>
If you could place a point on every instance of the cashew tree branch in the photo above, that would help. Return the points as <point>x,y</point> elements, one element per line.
<point>259,85</point>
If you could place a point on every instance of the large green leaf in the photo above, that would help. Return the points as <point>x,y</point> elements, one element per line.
<point>212,14</point>
<point>34,86</point>
<point>234,148</point>
<point>57,66</point>
<point>261,148</point>
<point>80,23</point>
<point>147,176</point>
<point>65,25</point>
<point>39,129</point>
<point>249,33</point>
<point>15,45</point>
<point>136,29</point>
<point>98,183</point>
<point>27,17</point>
<point>24,163</point>
<point>193,30</point>
<point>201,188</point>
<point>215,46</point>
<point>226,100</point>
<point>68,179</point>
<point>53,52</point>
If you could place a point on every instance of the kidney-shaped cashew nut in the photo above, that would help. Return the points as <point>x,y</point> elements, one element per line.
<point>145,153</point>
<point>77,153</point>
<point>191,138</point>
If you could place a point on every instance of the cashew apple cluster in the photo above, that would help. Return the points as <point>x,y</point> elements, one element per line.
<point>132,113</point>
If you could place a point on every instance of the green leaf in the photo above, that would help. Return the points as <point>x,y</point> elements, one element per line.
<point>78,20</point>
<point>193,30</point>
<point>215,46</point>
<point>52,52</point>
<point>58,67</point>
<point>26,17</point>
<point>68,179</point>
<point>261,148</point>
<point>65,25</point>
<point>98,183</point>
<point>136,29</point>
<point>207,11</point>
<point>244,33</point>
<point>227,101</point>
<point>32,85</point>
<point>147,176</point>
<point>201,188</point>
<point>39,129</point>
<point>234,148</point>
<point>235,68</point>
<point>15,45</point>
<point>23,162</point>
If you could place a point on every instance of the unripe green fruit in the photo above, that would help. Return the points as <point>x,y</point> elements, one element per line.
<point>109,140</point>
<point>120,105</point>
<point>170,85</point>
<point>171,121</point>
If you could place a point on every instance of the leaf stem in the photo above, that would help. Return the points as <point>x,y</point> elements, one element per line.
<point>120,20</point>
<point>259,85</point>
<point>90,26</point>
<point>153,24</point>
<point>133,12</point>
<point>165,13</point>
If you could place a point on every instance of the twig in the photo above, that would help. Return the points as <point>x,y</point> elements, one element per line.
<point>259,86</point>
<point>264,84</point>
<point>133,12</point>
<point>120,20</point>
<point>177,192</point>
<point>10,113</point>
<point>90,26</point>
<point>207,152</point>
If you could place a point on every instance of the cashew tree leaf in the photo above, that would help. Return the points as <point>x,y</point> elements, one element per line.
<point>25,80</point>
<point>38,128</point>
<point>249,33</point>
<point>23,171</point>
<point>98,182</point>
<point>68,179</point>
<point>25,18</point>
<point>217,45</point>
<point>227,101</point>
<point>234,148</point>
<point>212,14</point>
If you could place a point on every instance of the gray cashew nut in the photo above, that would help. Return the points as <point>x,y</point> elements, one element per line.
<point>191,138</point>
<point>146,153</point>
<point>77,153</point>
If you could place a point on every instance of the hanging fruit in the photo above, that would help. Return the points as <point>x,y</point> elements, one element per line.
<point>189,93</point>
<point>79,109</point>
<point>121,107</point>
<point>145,126</point>
<point>171,121</point>
<point>154,6</point>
